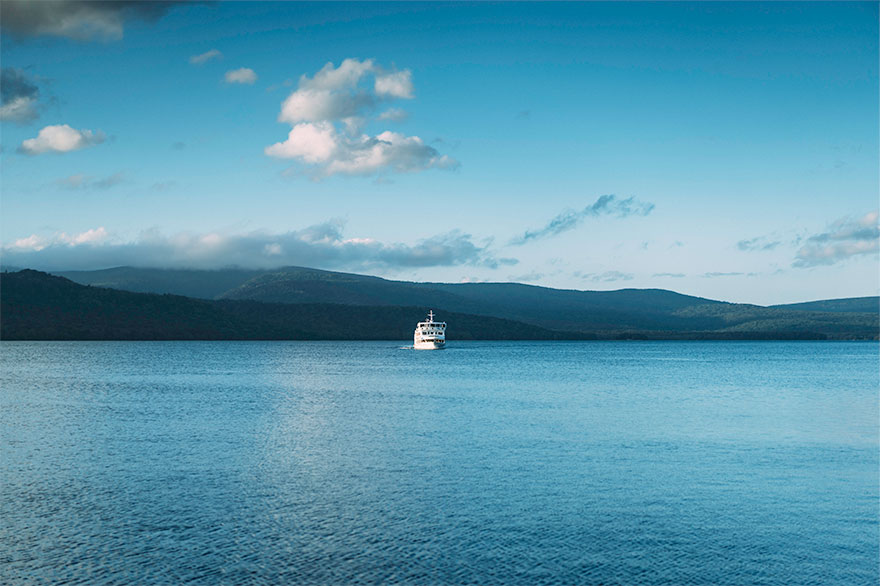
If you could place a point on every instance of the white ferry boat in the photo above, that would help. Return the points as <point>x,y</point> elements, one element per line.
<point>430,334</point>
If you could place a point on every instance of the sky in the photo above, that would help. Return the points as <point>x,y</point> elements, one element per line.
<point>723,150</point>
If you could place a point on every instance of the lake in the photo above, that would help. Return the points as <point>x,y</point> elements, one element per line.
<point>486,463</point>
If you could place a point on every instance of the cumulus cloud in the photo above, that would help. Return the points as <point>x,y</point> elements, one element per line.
<point>328,110</point>
<point>205,57</point>
<point>606,205</point>
<point>81,20</point>
<point>320,246</point>
<point>313,143</point>
<point>337,152</point>
<point>394,85</point>
<point>758,243</point>
<point>845,238</point>
<point>333,93</point>
<point>60,138</point>
<point>241,75</point>
<point>19,96</point>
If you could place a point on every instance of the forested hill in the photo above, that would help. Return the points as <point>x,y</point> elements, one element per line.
<point>852,304</point>
<point>604,313</point>
<point>40,306</point>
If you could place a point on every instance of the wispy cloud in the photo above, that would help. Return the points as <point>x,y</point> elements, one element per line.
<point>606,205</point>
<point>606,277</point>
<point>328,110</point>
<point>759,243</point>
<point>77,19</point>
<point>163,185</point>
<point>242,75</point>
<point>205,57</point>
<point>394,115</point>
<point>845,238</point>
<point>716,275</point>
<point>60,138</point>
<point>669,275</point>
<point>320,246</point>
<point>81,181</point>
<point>532,277</point>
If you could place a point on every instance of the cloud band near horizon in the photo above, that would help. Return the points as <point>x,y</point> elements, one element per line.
<point>320,246</point>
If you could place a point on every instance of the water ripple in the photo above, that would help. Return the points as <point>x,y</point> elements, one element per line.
<point>513,463</point>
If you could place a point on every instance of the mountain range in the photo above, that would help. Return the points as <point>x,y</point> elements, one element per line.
<point>303,303</point>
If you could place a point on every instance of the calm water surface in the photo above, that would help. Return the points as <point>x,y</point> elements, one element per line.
<point>487,463</point>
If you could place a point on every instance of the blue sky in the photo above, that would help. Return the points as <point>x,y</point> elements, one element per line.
<point>721,150</point>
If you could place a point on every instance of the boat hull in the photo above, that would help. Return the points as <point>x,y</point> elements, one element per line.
<point>430,345</point>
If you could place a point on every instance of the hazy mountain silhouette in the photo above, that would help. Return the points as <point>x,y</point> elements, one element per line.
<point>39,306</point>
<point>654,312</point>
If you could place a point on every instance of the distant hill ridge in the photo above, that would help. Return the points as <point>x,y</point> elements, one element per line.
<point>39,306</point>
<point>605,312</point>
<point>298,303</point>
<point>850,304</point>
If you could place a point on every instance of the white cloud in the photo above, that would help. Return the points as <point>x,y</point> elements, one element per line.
<point>845,238</point>
<point>317,105</point>
<point>335,93</point>
<point>320,246</point>
<point>392,150</point>
<point>362,155</point>
<point>205,57</point>
<point>395,85</point>
<point>93,236</point>
<point>242,75</point>
<point>60,138</point>
<point>328,111</point>
<point>348,74</point>
<point>31,243</point>
<point>313,143</point>
<point>35,243</point>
